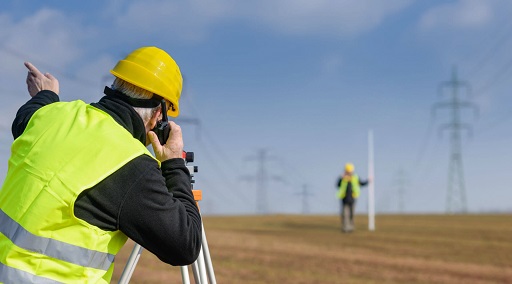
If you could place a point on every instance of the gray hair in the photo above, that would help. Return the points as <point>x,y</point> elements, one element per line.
<point>137,93</point>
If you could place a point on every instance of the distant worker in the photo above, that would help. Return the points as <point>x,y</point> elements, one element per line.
<point>348,187</point>
<point>81,180</point>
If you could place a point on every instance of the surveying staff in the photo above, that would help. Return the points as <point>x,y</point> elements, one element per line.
<point>81,180</point>
<point>349,188</point>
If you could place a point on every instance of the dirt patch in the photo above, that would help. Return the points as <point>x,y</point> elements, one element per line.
<point>312,249</point>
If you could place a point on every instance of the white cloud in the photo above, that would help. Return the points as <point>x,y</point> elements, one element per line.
<point>48,38</point>
<point>461,14</point>
<point>324,17</point>
<point>184,20</point>
<point>192,20</point>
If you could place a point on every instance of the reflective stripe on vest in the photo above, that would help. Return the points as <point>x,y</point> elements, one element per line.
<point>13,275</point>
<point>342,191</point>
<point>53,248</point>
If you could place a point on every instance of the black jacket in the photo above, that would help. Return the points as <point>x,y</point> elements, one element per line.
<point>153,206</point>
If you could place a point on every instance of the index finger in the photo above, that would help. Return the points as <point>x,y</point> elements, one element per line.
<point>32,69</point>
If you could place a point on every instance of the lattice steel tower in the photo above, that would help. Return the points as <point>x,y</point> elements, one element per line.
<point>262,178</point>
<point>456,192</point>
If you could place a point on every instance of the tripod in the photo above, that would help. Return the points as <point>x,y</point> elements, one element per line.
<point>202,268</point>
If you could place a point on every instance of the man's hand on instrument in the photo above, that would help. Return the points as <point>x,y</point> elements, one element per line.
<point>173,148</point>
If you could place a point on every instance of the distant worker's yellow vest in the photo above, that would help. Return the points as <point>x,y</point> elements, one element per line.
<point>356,189</point>
<point>65,149</point>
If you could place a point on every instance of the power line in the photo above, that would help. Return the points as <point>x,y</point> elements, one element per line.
<point>504,118</point>
<point>493,50</point>
<point>224,177</point>
<point>221,156</point>
<point>496,78</point>
<point>424,144</point>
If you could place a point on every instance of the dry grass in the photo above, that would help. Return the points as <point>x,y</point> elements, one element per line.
<point>312,249</point>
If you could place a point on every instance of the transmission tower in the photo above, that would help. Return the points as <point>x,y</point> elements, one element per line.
<point>456,192</point>
<point>261,178</point>
<point>401,181</point>
<point>304,193</point>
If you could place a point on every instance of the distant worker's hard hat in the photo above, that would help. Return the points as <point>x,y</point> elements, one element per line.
<point>349,167</point>
<point>154,70</point>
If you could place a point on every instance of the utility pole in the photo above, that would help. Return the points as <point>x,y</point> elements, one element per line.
<point>456,192</point>
<point>371,185</point>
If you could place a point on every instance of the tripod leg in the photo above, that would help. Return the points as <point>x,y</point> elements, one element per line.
<point>130,264</point>
<point>208,260</point>
<point>195,270</point>
<point>185,279</point>
<point>202,268</point>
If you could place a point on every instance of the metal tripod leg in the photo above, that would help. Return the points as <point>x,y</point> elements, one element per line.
<point>195,270</point>
<point>130,265</point>
<point>134,258</point>
<point>185,279</point>
<point>207,258</point>
<point>202,267</point>
<point>202,270</point>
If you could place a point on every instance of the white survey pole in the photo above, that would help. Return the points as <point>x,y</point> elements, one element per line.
<point>371,184</point>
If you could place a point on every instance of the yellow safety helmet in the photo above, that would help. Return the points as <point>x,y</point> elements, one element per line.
<point>154,70</point>
<point>349,167</point>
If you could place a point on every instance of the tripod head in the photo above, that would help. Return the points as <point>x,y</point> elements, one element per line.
<point>189,158</point>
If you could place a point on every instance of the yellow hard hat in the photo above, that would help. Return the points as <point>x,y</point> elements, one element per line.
<point>349,167</point>
<point>152,69</point>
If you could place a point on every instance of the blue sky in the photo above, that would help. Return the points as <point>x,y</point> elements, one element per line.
<point>303,81</point>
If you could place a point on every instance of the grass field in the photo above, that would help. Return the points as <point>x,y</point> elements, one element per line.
<point>312,249</point>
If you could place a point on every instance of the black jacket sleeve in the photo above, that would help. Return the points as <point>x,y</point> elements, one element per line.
<point>153,207</point>
<point>161,214</point>
<point>29,108</point>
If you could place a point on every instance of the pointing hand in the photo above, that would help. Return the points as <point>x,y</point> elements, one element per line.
<point>37,81</point>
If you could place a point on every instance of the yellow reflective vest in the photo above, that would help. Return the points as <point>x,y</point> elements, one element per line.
<point>356,189</point>
<point>66,148</point>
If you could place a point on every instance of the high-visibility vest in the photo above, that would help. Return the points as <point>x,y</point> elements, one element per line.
<point>356,189</point>
<point>66,148</point>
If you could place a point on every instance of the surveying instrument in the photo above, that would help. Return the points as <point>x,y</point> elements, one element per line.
<point>202,268</point>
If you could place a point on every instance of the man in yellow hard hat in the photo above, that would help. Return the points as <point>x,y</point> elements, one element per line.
<point>349,189</point>
<point>81,180</point>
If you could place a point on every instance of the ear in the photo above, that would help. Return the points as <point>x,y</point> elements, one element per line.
<point>153,120</point>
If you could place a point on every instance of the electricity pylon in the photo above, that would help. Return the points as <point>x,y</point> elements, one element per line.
<point>305,193</point>
<point>401,182</point>
<point>262,178</point>
<point>456,192</point>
